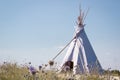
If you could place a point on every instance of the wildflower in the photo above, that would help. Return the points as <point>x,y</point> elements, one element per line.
<point>46,65</point>
<point>43,71</point>
<point>32,70</point>
<point>29,62</point>
<point>51,63</point>
<point>40,67</point>
<point>4,62</point>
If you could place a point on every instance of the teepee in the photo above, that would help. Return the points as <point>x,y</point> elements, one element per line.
<point>80,56</point>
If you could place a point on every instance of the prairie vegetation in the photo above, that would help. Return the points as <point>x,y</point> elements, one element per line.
<point>13,71</point>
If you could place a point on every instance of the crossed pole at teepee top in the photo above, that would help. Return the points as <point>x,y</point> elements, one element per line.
<point>82,18</point>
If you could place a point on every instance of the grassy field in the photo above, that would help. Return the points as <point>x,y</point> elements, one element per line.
<point>12,71</point>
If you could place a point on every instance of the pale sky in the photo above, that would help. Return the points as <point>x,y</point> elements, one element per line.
<point>36,30</point>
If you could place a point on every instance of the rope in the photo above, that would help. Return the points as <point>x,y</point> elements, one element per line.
<point>62,49</point>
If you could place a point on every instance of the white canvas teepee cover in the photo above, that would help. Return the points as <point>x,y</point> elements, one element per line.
<point>81,53</point>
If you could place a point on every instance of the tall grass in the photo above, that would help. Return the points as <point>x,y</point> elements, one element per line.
<point>12,71</point>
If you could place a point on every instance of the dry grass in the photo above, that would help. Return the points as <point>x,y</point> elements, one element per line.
<point>12,71</point>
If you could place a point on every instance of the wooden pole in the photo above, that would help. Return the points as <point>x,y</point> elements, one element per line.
<point>63,49</point>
